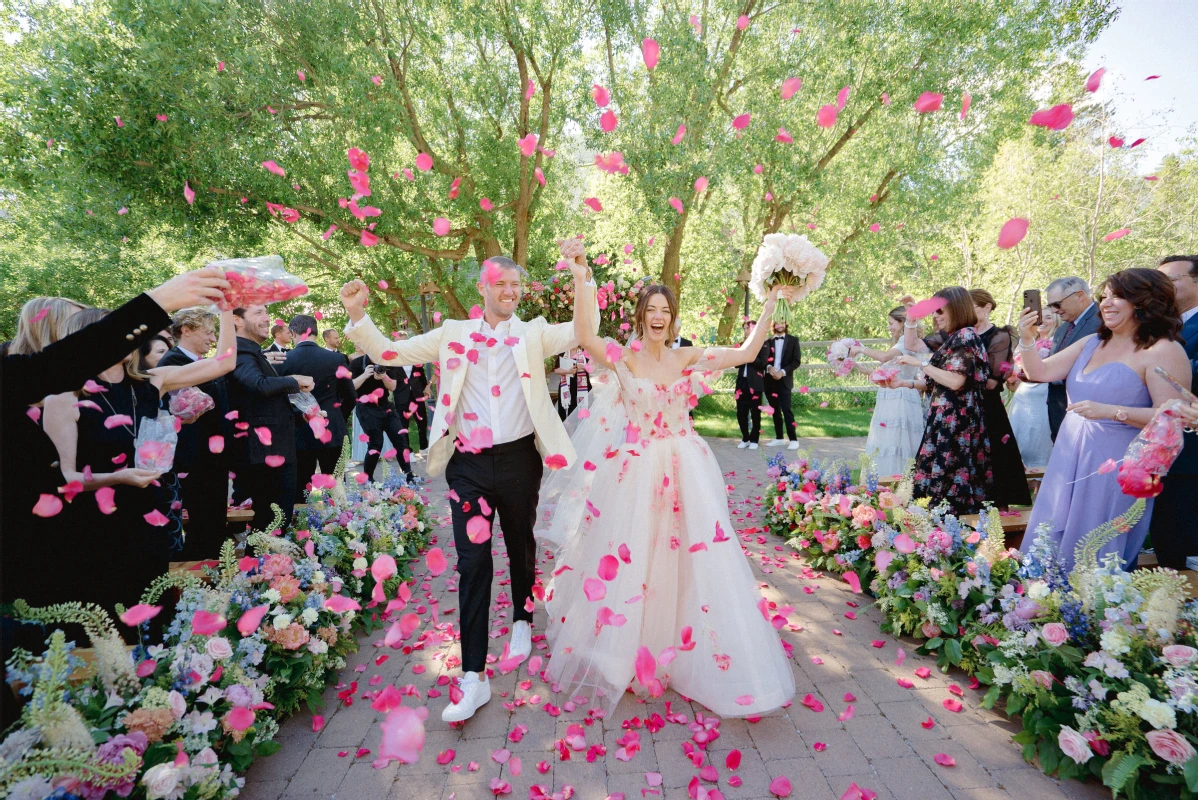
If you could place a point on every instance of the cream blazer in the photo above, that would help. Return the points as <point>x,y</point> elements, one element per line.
<point>538,340</point>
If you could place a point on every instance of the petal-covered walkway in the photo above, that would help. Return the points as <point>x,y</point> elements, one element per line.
<point>890,742</point>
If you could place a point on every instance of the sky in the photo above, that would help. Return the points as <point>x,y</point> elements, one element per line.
<point>1151,37</point>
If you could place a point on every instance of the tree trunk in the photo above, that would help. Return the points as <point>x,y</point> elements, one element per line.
<point>404,307</point>
<point>456,309</point>
<point>671,265</point>
<point>732,311</point>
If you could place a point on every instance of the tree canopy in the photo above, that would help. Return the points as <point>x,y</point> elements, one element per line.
<point>405,142</point>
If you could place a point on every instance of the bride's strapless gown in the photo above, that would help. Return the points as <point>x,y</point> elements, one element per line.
<point>647,562</point>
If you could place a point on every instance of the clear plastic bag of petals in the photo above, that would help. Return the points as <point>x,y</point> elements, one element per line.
<point>258,281</point>
<point>884,375</point>
<point>306,404</point>
<point>154,447</point>
<point>189,403</point>
<point>1152,453</point>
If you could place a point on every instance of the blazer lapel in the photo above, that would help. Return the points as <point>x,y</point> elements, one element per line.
<point>459,374</point>
<point>519,329</point>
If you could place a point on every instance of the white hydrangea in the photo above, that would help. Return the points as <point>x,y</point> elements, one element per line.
<point>1115,640</point>
<point>318,576</point>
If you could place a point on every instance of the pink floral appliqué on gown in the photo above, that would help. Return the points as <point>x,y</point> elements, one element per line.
<point>649,584</point>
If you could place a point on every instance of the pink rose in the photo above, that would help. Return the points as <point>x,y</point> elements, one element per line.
<point>931,630</point>
<point>277,564</point>
<point>1042,678</point>
<point>1171,746</point>
<point>1178,655</point>
<point>1074,745</point>
<point>1055,633</point>
<point>864,516</point>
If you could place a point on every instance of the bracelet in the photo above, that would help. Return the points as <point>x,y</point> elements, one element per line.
<point>1023,348</point>
<point>909,325</point>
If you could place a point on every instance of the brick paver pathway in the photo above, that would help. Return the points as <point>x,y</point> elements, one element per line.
<point>882,747</point>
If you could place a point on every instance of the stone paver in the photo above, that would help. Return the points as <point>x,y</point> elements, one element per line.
<point>882,747</point>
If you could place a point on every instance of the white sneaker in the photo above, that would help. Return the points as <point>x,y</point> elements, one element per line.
<point>752,445</point>
<point>775,443</point>
<point>793,445</point>
<point>521,643</point>
<point>475,694</point>
<point>742,445</point>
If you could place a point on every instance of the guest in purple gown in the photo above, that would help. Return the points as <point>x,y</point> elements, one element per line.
<point>1112,394</point>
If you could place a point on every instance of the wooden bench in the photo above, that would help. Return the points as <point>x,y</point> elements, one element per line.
<point>1013,526</point>
<point>239,516</point>
<point>1034,477</point>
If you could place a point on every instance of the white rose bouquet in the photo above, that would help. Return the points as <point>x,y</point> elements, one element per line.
<point>838,356</point>
<point>792,261</point>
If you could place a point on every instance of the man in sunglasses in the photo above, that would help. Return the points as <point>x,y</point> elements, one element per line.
<point>1070,298</point>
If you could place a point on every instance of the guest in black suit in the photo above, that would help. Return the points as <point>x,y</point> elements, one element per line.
<point>681,341</point>
<point>334,393</point>
<point>377,415</point>
<point>1173,531</point>
<point>782,359</point>
<point>32,369</point>
<point>259,396</point>
<point>415,408</point>
<point>282,339</point>
<point>204,481</point>
<point>750,385</point>
<point>1070,298</point>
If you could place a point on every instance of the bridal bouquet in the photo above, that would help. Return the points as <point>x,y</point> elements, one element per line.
<point>789,260</point>
<point>838,356</point>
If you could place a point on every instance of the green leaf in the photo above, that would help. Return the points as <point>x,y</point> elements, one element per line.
<point>932,644</point>
<point>953,648</point>
<point>1190,771</point>
<point>1122,769</point>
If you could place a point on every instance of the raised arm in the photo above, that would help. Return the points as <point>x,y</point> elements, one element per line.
<point>586,317</point>
<point>1044,370</point>
<point>563,336</point>
<point>750,349</point>
<point>168,378</point>
<point>362,332</point>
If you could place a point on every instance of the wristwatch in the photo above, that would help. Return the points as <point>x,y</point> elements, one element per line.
<point>927,362</point>
<point>1120,415</point>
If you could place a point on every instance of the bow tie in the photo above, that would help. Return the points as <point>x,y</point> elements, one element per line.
<point>779,338</point>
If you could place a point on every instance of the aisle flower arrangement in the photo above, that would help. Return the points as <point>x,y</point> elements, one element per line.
<point>825,515</point>
<point>251,642</point>
<point>1101,665</point>
<point>936,575</point>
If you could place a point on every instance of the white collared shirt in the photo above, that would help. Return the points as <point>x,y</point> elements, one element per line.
<point>779,343</point>
<point>1185,315</point>
<point>479,407</point>
<point>188,353</point>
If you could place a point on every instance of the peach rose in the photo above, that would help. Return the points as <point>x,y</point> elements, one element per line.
<point>293,637</point>
<point>288,587</point>
<point>1179,655</point>
<point>887,500</point>
<point>1171,746</point>
<point>864,516</point>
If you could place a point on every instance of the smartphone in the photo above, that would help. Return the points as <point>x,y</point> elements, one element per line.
<point>1031,299</point>
<point>1186,394</point>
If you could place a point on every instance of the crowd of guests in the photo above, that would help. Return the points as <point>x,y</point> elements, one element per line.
<point>1081,369</point>
<point>92,511</point>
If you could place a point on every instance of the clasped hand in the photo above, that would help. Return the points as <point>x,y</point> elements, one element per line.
<point>1088,409</point>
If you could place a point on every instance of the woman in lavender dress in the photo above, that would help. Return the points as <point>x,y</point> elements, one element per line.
<point>1112,393</point>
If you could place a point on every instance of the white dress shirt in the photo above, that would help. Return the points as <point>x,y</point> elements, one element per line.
<point>779,342</point>
<point>1185,315</point>
<point>187,353</point>
<point>478,407</point>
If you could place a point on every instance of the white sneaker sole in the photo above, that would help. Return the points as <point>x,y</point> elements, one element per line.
<point>464,711</point>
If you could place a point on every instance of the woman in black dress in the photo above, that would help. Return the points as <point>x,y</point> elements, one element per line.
<point>953,463</point>
<point>125,533</point>
<point>575,381</point>
<point>1010,480</point>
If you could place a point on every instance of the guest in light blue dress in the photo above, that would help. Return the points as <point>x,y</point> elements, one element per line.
<point>1112,393</point>
<point>896,428</point>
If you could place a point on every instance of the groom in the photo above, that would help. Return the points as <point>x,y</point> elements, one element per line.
<point>495,405</point>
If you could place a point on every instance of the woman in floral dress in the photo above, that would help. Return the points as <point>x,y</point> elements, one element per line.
<point>953,462</point>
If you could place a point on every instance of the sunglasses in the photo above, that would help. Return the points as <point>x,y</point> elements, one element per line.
<point>1057,305</point>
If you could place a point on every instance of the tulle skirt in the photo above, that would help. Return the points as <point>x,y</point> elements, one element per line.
<point>1028,412</point>
<point>895,430</point>
<point>649,583</point>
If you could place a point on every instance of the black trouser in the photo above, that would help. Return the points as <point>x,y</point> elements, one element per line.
<point>205,496</point>
<point>508,477</point>
<point>777,394</point>
<point>390,422</point>
<point>420,415</point>
<point>748,414</point>
<point>1173,531</point>
<point>266,485</point>
<point>305,466</point>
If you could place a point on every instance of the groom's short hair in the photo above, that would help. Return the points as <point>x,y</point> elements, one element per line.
<point>503,262</point>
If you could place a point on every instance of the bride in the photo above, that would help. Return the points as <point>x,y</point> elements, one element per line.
<point>649,586</point>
